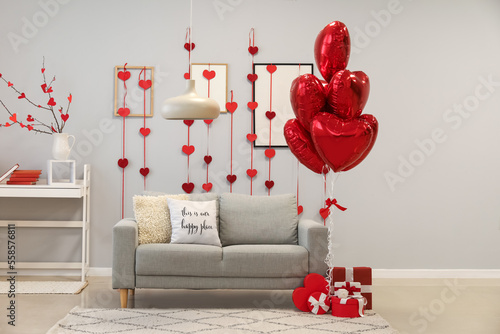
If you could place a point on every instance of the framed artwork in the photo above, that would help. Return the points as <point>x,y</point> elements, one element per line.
<point>136,92</point>
<point>275,97</point>
<point>211,81</point>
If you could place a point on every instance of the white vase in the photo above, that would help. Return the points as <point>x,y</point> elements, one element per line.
<point>60,146</point>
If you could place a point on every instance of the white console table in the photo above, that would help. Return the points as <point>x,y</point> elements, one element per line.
<point>81,189</point>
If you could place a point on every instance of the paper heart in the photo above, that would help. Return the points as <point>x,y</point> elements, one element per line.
<point>49,90</point>
<point>301,145</point>
<point>189,47</point>
<point>145,84</point>
<point>331,49</point>
<point>123,162</point>
<point>251,172</point>
<point>251,137</point>
<point>30,118</point>
<point>124,112</point>
<point>347,93</point>
<point>208,121</point>
<point>43,70</point>
<point>270,114</point>
<point>188,187</point>
<point>10,84</point>
<point>307,97</point>
<point>0,75</point>
<point>252,105</point>
<point>145,131</point>
<point>252,77</point>
<point>231,178</point>
<point>312,283</point>
<point>70,98</point>
<point>209,75</point>
<point>7,125</point>
<point>124,75</point>
<point>208,159</point>
<point>341,143</point>
<point>271,68</point>
<point>22,96</point>
<point>187,76</point>
<point>324,212</point>
<point>30,127</point>
<point>300,209</point>
<point>231,106</point>
<point>51,102</point>
<point>22,125</point>
<point>64,117</point>
<point>13,118</point>
<point>270,153</point>
<point>253,49</point>
<point>269,184</point>
<point>144,171</point>
<point>188,122</point>
<point>188,149</point>
<point>207,186</point>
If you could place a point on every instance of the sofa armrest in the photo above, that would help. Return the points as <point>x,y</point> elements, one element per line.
<point>125,241</point>
<point>314,237</point>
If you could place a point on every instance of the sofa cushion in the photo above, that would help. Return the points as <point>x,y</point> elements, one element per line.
<point>178,260</point>
<point>248,219</point>
<point>207,197</point>
<point>265,261</point>
<point>193,222</point>
<point>153,217</point>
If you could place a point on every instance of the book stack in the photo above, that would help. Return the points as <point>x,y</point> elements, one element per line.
<point>24,176</point>
<point>21,176</point>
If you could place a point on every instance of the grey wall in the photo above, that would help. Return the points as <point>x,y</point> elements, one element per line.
<point>427,195</point>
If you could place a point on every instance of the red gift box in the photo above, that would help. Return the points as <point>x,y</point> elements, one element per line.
<point>347,308</point>
<point>362,275</point>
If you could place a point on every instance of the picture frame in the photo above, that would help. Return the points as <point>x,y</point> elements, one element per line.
<point>216,85</point>
<point>134,98</point>
<point>282,80</point>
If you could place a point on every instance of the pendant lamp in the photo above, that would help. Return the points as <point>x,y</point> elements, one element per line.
<point>189,105</point>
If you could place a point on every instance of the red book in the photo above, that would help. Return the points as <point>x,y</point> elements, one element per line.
<point>10,171</point>
<point>20,183</point>
<point>29,171</point>
<point>23,179</point>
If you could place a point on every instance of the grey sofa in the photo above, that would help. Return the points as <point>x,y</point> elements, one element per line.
<point>264,246</point>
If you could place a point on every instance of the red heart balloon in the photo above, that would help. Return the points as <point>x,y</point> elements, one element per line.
<point>347,93</point>
<point>269,184</point>
<point>124,75</point>
<point>144,171</point>
<point>231,178</point>
<point>331,49</point>
<point>312,283</point>
<point>188,187</point>
<point>207,186</point>
<point>252,105</point>
<point>339,142</point>
<point>209,75</point>
<point>145,84</point>
<point>301,145</point>
<point>374,124</point>
<point>307,97</point>
<point>251,172</point>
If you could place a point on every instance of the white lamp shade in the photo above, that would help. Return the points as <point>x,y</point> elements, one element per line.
<point>190,105</point>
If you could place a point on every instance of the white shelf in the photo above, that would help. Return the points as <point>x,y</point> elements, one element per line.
<point>80,189</point>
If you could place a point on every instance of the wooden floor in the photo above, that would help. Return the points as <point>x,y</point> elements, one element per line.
<point>431,306</point>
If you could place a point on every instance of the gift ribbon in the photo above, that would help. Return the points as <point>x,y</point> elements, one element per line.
<point>329,202</point>
<point>349,276</point>
<point>318,303</point>
<point>361,303</point>
<point>350,288</point>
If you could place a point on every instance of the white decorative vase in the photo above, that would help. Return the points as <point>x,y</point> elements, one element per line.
<point>60,146</point>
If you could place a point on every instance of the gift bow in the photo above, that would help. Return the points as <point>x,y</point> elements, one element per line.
<point>318,303</point>
<point>329,202</point>
<point>361,302</point>
<point>351,288</point>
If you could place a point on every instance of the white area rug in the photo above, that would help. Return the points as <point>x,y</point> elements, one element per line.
<point>215,321</point>
<point>39,287</point>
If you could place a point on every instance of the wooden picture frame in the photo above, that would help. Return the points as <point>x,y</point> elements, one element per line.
<point>134,99</point>
<point>282,80</point>
<point>218,84</point>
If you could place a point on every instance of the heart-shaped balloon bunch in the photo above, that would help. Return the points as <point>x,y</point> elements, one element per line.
<point>329,128</point>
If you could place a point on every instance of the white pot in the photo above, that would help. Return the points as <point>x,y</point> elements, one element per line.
<point>60,146</point>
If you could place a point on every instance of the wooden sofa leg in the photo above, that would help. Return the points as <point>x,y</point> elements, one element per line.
<point>132,292</point>
<point>123,298</point>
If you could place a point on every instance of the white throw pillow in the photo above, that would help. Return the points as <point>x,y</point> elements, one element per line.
<point>193,222</point>
<point>153,218</point>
